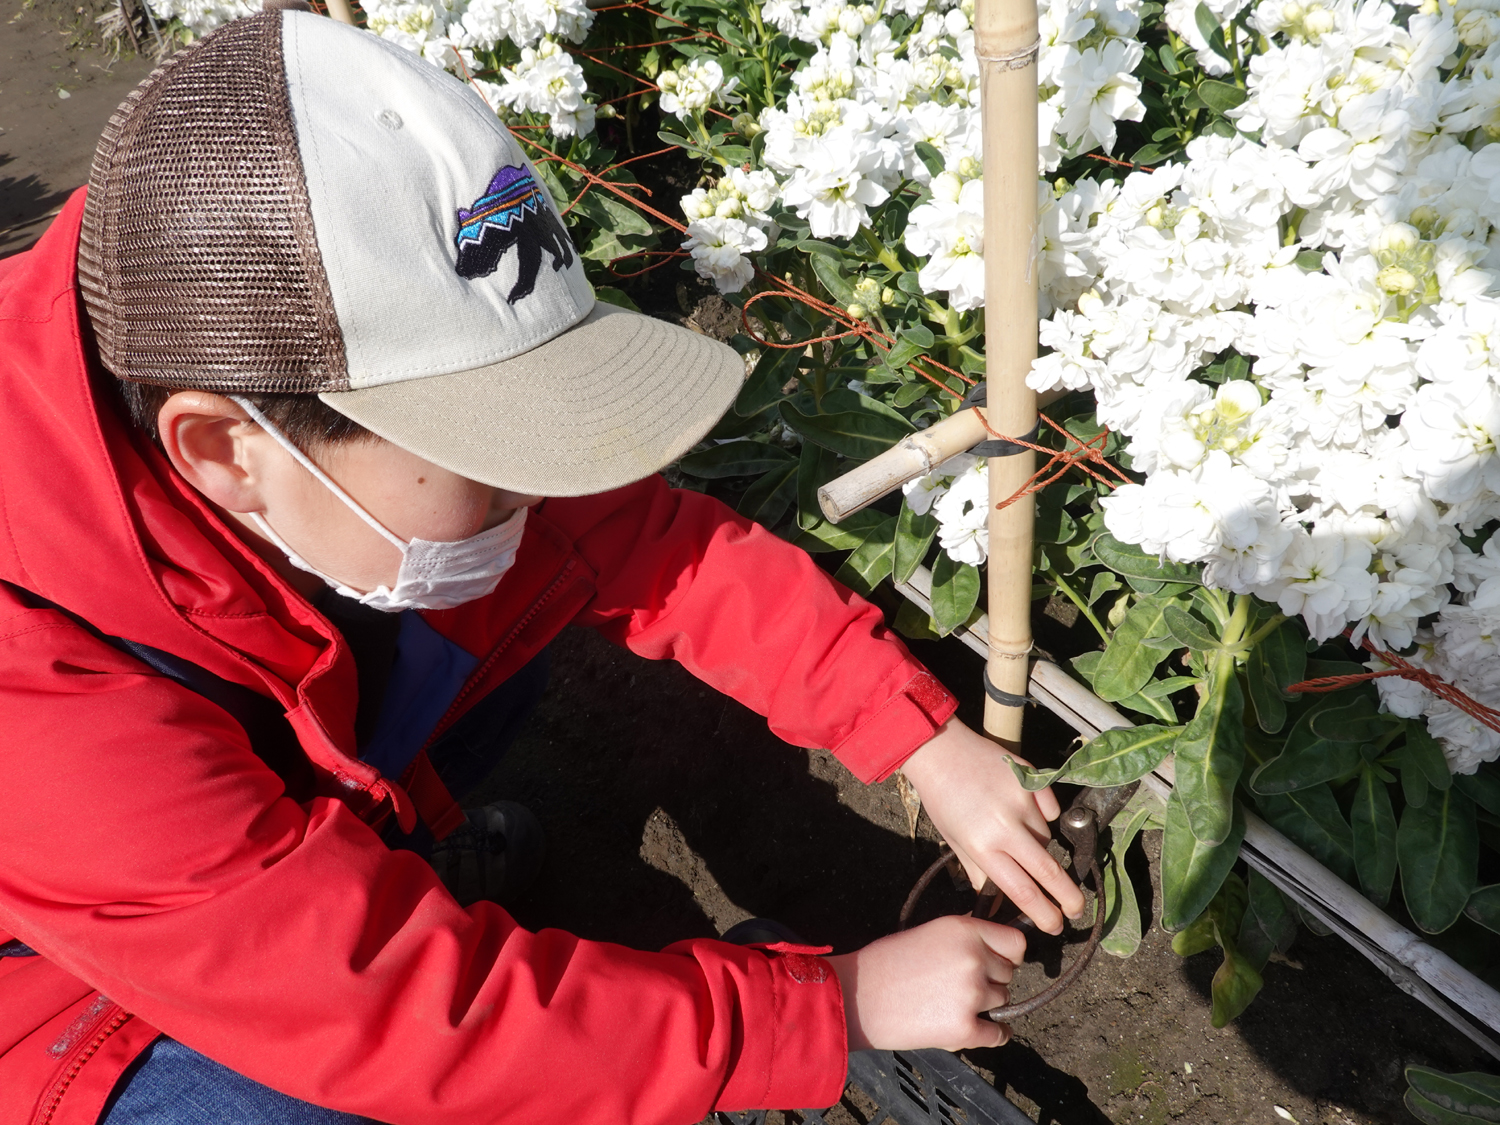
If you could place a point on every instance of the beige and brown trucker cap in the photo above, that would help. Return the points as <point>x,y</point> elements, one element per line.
<point>296,205</point>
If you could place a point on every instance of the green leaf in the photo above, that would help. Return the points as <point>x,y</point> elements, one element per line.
<point>849,534</point>
<point>1278,660</point>
<point>1468,1097</point>
<point>1220,97</point>
<point>1484,906</point>
<point>855,425</point>
<point>1133,652</point>
<point>1132,562</point>
<point>1122,921</point>
<point>1235,984</point>
<point>816,466</point>
<point>1211,30</point>
<point>1160,689</point>
<point>1356,721</point>
<point>1483,788</point>
<point>1192,871</point>
<point>1437,847</point>
<point>775,368</point>
<point>735,459</point>
<point>1304,764</point>
<point>913,623</point>
<point>1150,705</point>
<point>1188,631</point>
<point>871,561</point>
<point>955,592</point>
<point>605,245</point>
<point>1196,938</point>
<point>1374,824</point>
<point>914,535</point>
<point>839,287</point>
<point>1268,926</point>
<point>1426,754</point>
<point>1103,582</point>
<point>1311,819</point>
<point>611,213</point>
<point>930,157</point>
<point>617,297</point>
<point>1429,1112</point>
<point>1211,754</point>
<point>767,500</point>
<point>1114,757</point>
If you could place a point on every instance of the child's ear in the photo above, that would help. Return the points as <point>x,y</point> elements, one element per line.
<point>204,437</point>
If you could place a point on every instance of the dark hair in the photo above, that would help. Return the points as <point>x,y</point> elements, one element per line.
<point>305,419</point>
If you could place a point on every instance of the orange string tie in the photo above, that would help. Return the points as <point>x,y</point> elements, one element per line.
<point>1080,456</point>
<point>852,327</point>
<point>1397,666</point>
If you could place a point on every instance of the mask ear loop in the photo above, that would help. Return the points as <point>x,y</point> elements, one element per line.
<point>323,478</point>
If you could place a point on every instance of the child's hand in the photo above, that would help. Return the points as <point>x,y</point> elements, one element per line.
<point>994,826</point>
<point>926,987</point>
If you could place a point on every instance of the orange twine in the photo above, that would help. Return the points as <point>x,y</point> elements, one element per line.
<point>1440,687</point>
<point>1091,451</point>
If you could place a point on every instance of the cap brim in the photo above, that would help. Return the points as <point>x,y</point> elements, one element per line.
<point>610,401</point>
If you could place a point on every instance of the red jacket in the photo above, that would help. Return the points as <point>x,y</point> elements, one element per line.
<point>150,857</point>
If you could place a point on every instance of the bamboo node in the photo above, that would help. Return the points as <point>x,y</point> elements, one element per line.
<point>1014,60</point>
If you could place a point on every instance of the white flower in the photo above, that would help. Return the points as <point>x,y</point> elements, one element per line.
<point>1325,577</point>
<point>951,234</point>
<point>834,188</point>
<point>547,80</point>
<point>690,89</point>
<point>719,246</point>
<point>1097,90</point>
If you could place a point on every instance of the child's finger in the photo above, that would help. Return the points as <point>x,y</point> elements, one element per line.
<point>1015,882</point>
<point>1046,802</point>
<point>1039,864</point>
<point>989,1034</point>
<point>1007,943</point>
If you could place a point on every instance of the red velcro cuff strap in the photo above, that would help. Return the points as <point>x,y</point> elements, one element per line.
<point>879,745</point>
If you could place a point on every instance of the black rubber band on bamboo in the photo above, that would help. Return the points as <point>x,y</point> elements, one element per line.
<point>1004,698</point>
<point>997,447</point>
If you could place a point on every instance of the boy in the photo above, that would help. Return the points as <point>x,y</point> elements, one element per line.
<point>280,400</point>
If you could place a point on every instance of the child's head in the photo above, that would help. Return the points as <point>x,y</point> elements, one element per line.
<point>299,220</point>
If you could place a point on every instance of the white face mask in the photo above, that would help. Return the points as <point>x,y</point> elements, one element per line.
<point>432,575</point>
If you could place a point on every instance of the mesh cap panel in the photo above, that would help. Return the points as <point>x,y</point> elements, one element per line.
<point>198,262</point>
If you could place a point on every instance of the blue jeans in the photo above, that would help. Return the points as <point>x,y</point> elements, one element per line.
<point>174,1085</point>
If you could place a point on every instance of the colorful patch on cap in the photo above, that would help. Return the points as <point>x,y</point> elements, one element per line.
<point>511,212</point>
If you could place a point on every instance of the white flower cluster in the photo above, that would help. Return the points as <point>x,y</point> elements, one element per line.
<point>726,223</point>
<point>1351,253</point>
<point>546,80</point>
<point>202,16</point>
<point>847,136</point>
<point>447,33</point>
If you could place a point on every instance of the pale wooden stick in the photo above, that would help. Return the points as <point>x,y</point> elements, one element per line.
<point>909,458</point>
<point>341,11</point>
<point>1006,41</point>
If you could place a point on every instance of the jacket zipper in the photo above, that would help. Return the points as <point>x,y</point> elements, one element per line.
<point>117,1021</point>
<point>494,656</point>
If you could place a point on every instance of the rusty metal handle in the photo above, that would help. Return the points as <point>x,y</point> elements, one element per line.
<point>1080,826</point>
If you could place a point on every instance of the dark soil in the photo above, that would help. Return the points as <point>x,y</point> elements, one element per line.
<point>672,812</point>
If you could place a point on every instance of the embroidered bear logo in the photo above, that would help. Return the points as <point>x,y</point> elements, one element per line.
<point>511,212</point>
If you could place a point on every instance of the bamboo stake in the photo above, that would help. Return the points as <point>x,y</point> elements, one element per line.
<point>341,11</point>
<point>1006,40</point>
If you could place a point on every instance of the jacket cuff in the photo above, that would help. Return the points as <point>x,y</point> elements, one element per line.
<point>879,745</point>
<point>796,1055</point>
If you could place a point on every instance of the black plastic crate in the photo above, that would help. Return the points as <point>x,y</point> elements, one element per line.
<point>914,1088</point>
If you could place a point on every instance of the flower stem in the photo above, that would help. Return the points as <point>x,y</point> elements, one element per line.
<point>882,252</point>
<point>1083,607</point>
